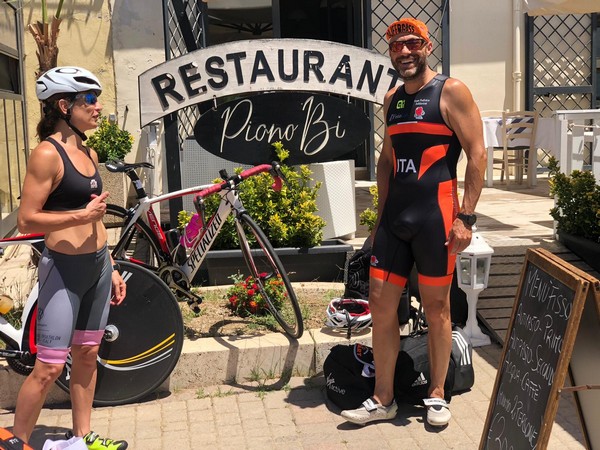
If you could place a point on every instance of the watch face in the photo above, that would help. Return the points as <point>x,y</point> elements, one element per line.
<point>468,219</point>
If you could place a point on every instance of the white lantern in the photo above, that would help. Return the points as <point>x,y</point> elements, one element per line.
<point>473,270</point>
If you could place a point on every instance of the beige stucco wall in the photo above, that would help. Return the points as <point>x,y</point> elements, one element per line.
<point>138,45</point>
<point>84,40</point>
<point>481,50</point>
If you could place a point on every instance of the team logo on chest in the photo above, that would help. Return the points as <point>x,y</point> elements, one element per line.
<point>93,184</point>
<point>419,112</point>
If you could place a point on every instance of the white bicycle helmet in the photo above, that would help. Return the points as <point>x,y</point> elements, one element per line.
<point>66,80</point>
<point>348,314</point>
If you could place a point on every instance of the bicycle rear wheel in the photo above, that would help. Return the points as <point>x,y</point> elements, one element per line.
<point>265,266</point>
<point>142,340</point>
<point>139,244</point>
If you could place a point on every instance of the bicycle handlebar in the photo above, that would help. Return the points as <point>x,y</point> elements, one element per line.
<point>274,168</point>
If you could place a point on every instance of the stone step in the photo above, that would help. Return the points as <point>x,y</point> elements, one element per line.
<point>224,360</point>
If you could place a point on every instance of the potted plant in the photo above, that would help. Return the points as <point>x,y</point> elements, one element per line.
<point>111,143</point>
<point>288,219</point>
<point>577,212</point>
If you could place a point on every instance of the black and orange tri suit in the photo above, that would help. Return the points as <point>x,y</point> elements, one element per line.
<point>422,200</point>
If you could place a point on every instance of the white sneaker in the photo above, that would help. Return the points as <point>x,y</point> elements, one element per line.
<point>370,411</point>
<point>438,412</point>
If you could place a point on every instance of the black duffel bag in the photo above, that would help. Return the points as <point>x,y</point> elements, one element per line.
<point>350,373</point>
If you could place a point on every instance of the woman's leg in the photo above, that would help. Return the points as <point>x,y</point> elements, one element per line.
<point>32,396</point>
<point>82,386</point>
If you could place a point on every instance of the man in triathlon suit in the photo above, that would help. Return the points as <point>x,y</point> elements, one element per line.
<point>429,120</point>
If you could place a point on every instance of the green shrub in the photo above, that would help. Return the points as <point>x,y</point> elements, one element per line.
<point>369,216</point>
<point>287,217</point>
<point>577,197</point>
<point>110,141</point>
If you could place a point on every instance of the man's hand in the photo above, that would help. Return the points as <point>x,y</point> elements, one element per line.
<point>459,237</point>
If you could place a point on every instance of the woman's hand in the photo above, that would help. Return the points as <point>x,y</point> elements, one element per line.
<point>96,208</point>
<point>119,288</point>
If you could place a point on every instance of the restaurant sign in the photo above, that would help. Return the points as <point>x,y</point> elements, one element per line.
<point>264,65</point>
<point>314,127</point>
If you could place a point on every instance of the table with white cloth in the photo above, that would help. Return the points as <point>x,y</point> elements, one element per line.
<point>544,139</point>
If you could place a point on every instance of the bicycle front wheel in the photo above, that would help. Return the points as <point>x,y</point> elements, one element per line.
<point>265,266</point>
<point>139,244</point>
<point>142,340</point>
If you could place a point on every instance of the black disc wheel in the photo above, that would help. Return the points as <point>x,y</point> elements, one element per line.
<point>142,340</point>
<point>266,268</point>
<point>137,244</point>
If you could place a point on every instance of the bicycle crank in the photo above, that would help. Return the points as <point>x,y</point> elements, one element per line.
<point>180,285</point>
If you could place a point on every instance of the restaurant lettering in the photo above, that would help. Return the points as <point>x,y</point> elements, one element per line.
<point>264,65</point>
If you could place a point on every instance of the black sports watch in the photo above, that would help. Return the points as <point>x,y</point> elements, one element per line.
<point>468,219</point>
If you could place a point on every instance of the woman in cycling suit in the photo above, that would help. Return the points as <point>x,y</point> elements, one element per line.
<point>62,197</point>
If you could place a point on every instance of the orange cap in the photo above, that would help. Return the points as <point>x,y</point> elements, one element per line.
<point>407,26</point>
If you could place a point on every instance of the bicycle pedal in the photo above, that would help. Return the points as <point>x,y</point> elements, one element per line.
<point>195,305</point>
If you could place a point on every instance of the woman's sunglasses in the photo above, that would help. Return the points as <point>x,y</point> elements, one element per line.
<point>411,44</point>
<point>90,98</point>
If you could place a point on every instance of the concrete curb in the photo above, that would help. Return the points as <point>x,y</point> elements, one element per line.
<point>239,360</point>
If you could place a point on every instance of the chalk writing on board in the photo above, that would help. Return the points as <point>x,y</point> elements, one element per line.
<point>532,352</point>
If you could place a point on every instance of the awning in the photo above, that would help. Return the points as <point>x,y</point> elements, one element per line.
<point>549,7</point>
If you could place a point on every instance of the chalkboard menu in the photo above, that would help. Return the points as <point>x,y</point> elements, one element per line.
<point>536,354</point>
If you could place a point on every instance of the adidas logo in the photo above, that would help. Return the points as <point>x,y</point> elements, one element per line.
<point>463,346</point>
<point>420,381</point>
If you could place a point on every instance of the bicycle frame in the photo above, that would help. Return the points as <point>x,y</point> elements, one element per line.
<point>22,340</point>
<point>230,204</point>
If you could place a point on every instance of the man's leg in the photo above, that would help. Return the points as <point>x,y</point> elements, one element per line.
<point>384,299</point>
<point>436,305</point>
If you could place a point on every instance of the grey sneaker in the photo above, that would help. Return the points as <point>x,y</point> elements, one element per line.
<point>438,412</point>
<point>370,411</point>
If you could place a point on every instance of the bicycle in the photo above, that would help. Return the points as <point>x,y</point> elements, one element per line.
<point>146,244</point>
<point>142,341</point>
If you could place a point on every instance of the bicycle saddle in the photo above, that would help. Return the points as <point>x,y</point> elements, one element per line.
<point>120,166</point>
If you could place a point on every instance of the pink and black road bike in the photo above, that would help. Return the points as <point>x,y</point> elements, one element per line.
<point>135,235</point>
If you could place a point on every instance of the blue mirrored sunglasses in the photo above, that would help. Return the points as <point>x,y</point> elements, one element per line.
<point>89,98</point>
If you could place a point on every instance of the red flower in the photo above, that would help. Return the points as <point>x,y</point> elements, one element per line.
<point>250,292</point>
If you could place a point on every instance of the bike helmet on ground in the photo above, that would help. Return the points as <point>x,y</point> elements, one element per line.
<point>66,80</point>
<point>348,314</point>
